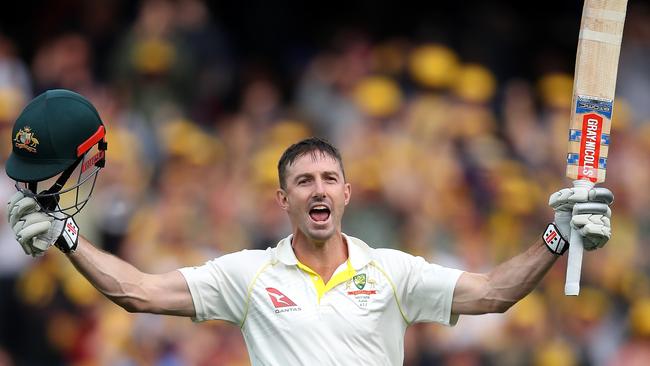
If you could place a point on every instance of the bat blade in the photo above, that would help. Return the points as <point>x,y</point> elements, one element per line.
<point>594,86</point>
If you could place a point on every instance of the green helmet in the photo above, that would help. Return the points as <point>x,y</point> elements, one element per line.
<point>53,135</point>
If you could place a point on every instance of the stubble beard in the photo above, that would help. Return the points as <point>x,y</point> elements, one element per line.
<point>318,236</point>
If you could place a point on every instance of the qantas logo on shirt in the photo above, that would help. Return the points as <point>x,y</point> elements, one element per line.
<point>279,299</point>
<point>281,302</point>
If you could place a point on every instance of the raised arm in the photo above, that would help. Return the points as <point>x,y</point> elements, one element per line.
<point>498,290</point>
<point>587,210</point>
<point>118,280</point>
<point>130,288</point>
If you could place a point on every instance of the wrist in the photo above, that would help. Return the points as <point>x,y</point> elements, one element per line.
<point>69,238</point>
<point>554,240</point>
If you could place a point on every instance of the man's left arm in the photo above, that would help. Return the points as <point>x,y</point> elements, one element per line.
<point>587,210</point>
<point>498,290</point>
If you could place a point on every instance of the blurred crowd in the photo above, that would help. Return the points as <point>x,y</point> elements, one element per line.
<point>447,160</point>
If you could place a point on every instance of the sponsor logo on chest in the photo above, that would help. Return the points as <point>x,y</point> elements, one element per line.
<point>281,302</point>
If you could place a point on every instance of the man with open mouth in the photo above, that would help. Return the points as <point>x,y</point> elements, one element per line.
<point>321,297</point>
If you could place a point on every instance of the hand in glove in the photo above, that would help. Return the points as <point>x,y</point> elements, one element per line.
<point>35,230</point>
<point>587,211</point>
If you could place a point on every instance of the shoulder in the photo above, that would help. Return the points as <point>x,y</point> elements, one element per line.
<point>401,265</point>
<point>394,258</point>
<point>242,264</point>
<point>362,254</point>
<point>243,257</point>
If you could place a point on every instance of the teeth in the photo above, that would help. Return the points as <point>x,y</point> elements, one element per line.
<point>321,207</point>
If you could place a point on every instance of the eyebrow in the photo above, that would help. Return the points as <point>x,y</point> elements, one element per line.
<point>327,173</point>
<point>330,173</point>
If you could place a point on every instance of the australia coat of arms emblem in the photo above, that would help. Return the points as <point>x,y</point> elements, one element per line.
<point>25,139</point>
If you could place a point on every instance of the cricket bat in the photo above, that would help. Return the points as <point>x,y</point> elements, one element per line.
<point>594,84</point>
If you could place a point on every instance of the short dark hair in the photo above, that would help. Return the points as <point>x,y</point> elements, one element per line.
<point>311,145</point>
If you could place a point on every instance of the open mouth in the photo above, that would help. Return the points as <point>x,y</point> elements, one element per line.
<point>319,213</point>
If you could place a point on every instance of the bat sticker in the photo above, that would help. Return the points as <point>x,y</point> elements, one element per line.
<point>593,116</point>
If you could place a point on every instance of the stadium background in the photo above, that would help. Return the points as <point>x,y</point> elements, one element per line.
<point>451,117</point>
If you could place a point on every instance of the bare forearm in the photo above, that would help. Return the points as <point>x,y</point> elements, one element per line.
<point>135,291</point>
<point>116,279</point>
<point>505,285</point>
<point>514,279</point>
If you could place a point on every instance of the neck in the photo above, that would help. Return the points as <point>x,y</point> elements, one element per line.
<point>323,257</point>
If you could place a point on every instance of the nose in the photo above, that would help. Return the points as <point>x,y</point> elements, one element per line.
<point>319,189</point>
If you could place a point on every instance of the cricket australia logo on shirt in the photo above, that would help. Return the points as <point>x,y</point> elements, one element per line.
<point>281,301</point>
<point>360,281</point>
<point>362,294</point>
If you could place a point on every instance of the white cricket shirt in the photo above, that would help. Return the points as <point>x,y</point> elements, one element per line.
<point>290,317</point>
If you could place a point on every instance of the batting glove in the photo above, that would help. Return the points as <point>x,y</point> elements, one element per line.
<point>587,211</point>
<point>36,231</point>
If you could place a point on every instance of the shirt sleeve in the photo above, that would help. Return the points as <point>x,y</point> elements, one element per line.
<point>425,290</point>
<point>431,292</point>
<point>219,287</point>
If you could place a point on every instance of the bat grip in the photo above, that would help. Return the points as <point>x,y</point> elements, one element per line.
<point>574,265</point>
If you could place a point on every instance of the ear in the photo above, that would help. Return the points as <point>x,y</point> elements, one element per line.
<point>281,198</point>
<point>347,193</point>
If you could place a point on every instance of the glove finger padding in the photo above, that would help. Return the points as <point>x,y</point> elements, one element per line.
<point>568,196</point>
<point>26,247</point>
<point>30,219</point>
<point>600,194</point>
<point>592,208</point>
<point>29,248</point>
<point>595,236</point>
<point>40,244</point>
<point>12,201</point>
<point>35,229</point>
<point>592,221</point>
<point>39,233</point>
<point>20,208</point>
<point>560,199</point>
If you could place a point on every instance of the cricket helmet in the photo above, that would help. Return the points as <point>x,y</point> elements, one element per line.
<point>58,133</point>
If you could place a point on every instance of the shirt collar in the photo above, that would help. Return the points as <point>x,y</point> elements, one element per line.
<point>358,252</point>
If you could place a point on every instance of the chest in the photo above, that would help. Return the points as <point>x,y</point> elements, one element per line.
<point>287,302</point>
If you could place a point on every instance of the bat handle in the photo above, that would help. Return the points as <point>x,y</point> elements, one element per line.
<point>574,265</point>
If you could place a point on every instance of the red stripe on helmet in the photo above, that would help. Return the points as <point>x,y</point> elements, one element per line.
<point>92,140</point>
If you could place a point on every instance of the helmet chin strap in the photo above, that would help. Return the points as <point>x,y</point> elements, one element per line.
<point>50,200</point>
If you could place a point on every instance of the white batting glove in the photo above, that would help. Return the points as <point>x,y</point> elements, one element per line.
<point>19,214</point>
<point>37,231</point>
<point>587,211</point>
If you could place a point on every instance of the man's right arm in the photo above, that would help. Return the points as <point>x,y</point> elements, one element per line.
<point>118,280</point>
<point>128,287</point>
